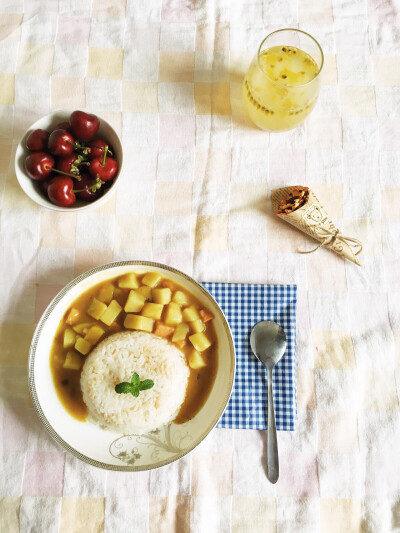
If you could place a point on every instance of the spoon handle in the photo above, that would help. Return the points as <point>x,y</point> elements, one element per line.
<point>272,442</point>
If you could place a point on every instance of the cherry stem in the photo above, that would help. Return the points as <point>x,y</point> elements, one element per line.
<point>65,173</point>
<point>102,148</point>
<point>94,187</point>
<point>103,164</point>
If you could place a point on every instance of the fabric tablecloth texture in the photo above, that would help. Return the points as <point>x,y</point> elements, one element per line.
<point>194,194</point>
<point>244,305</point>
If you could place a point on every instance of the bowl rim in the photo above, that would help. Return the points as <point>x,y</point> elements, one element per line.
<point>32,353</point>
<point>21,176</point>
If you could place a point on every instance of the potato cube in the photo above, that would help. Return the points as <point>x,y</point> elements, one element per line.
<point>96,308</point>
<point>118,293</point>
<point>146,291</point>
<point>152,310</point>
<point>69,338</point>
<point>200,342</point>
<point>94,334</point>
<point>197,326</point>
<point>161,296</point>
<point>196,360</point>
<point>82,346</point>
<point>82,328</point>
<point>73,316</point>
<point>180,298</point>
<point>190,314</point>
<point>139,322</point>
<point>181,344</point>
<point>73,361</point>
<point>173,316</point>
<point>180,332</point>
<point>151,279</point>
<point>129,281</point>
<point>106,293</point>
<point>135,302</point>
<point>111,313</point>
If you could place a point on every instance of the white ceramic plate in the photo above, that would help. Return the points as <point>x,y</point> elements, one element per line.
<point>31,187</point>
<point>115,451</point>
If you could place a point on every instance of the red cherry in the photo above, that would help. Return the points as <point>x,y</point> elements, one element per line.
<point>91,189</point>
<point>44,185</point>
<point>61,143</point>
<point>60,191</point>
<point>37,140</point>
<point>84,126</point>
<point>97,147</point>
<point>39,165</point>
<point>71,164</point>
<point>105,168</point>
<point>63,126</point>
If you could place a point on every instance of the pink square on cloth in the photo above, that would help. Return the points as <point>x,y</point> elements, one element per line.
<point>44,474</point>
<point>298,475</point>
<point>15,427</point>
<point>383,13</point>
<point>177,131</point>
<point>181,260</point>
<point>286,167</point>
<point>73,30</point>
<point>178,11</point>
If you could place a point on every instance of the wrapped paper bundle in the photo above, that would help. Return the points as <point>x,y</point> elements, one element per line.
<point>300,207</point>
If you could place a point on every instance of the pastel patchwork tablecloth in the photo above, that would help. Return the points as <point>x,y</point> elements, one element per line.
<point>195,194</point>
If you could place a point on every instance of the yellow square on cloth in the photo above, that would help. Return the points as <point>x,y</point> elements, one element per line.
<point>333,349</point>
<point>212,98</point>
<point>105,63</point>
<point>340,515</point>
<point>211,233</point>
<point>9,512</point>
<point>15,340</point>
<point>176,66</point>
<point>86,514</point>
<point>250,515</point>
<point>139,97</point>
<point>169,514</point>
<point>378,390</point>
<point>6,89</point>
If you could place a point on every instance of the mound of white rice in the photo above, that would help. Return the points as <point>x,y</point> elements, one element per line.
<point>115,360</point>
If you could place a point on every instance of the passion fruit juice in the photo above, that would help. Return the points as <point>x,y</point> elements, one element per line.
<point>281,88</point>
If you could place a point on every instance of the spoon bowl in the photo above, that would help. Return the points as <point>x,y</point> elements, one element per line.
<point>268,342</point>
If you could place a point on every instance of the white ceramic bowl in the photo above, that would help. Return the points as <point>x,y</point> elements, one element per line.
<point>31,187</point>
<point>113,451</point>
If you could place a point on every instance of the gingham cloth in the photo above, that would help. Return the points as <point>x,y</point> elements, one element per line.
<point>243,306</point>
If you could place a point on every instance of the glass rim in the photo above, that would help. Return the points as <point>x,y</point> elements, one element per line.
<point>282,84</point>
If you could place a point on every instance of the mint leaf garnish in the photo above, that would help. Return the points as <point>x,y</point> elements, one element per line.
<point>135,386</point>
<point>146,384</point>
<point>123,387</point>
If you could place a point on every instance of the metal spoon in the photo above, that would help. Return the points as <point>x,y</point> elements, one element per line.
<point>268,342</point>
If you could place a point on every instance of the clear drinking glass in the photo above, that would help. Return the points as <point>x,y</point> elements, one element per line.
<point>282,84</point>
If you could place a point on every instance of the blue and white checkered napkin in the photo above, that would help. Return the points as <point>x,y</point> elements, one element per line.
<point>243,306</point>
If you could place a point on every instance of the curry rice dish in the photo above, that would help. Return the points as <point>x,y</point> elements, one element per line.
<point>123,329</point>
